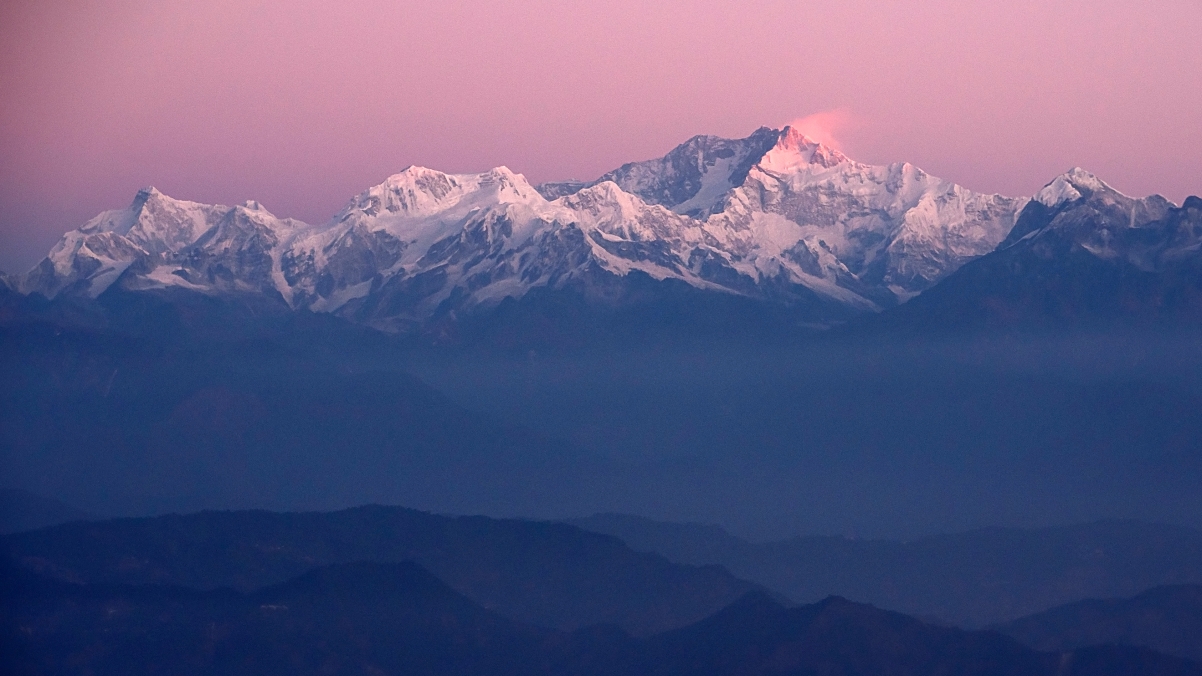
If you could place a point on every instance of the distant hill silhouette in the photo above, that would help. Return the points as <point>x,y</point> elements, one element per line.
<point>351,618</point>
<point>973,578</point>
<point>835,636</point>
<point>1167,619</point>
<point>397,618</point>
<point>549,574</point>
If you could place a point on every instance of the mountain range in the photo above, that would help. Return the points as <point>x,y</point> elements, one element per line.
<point>775,217</point>
<point>176,356</point>
<point>1080,254</point>
<point>385,590</point>
<point>1167,619</point>
<point>975,578</point>
<point>548,574</point>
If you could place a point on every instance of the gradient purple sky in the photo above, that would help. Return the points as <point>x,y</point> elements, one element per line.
<point>303,104</point>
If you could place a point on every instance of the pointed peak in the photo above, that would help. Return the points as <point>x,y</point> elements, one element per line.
<point>410,174</point>
<point>1070,186</point>
<point>424,177</point>
<point>152,195</point>
<point>147,194</point>
<point>1084,178</point>
<point>605,188</point>
<point>505,176</point>
<point>257,210</point>
<point>792,136</point>
<point>419,191</point>
<point>412,179</point>
<point>794,150</point>
<point>607,193</point>
<point>700,140</point>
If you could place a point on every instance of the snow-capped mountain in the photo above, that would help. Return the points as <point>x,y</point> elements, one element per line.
<point>691,178</point>
<point>774,216</point>
<point>159,241</point>
<point>1078,210</point>
<point>1080,253</point>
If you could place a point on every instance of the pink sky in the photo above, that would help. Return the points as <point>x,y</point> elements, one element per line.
<point>303,104</point>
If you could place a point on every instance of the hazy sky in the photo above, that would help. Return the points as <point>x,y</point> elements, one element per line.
<point>303,104</point>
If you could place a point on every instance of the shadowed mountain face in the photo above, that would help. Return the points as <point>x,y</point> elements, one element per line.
<point>973,579</point>
<point>552,575</point>
<point>1081,255</point>
<point>397,618</point>
<point>1167,619</point>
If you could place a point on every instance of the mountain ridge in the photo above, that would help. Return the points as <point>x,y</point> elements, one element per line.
<point>399,618</point>
<point>974,578</point>
<point>775,217</point>
<point>1167,619</point>
<point>542,573</point>
<point>1081,255</point>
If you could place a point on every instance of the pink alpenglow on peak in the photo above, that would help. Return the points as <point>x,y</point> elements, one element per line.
<point>795,150</point>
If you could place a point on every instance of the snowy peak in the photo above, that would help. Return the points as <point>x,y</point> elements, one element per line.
<point>1070,187</point>
<point>619,214</point>
<point>418,191</point>
<point>414,191</point>
<point>691,179</point>
<point>794,151</point>
<point>147,239</point>
<point>695,177</point>
<point>1083,178</point>
<point>604,199</point>
<point>161,224</point>
<point>1079,210</point>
